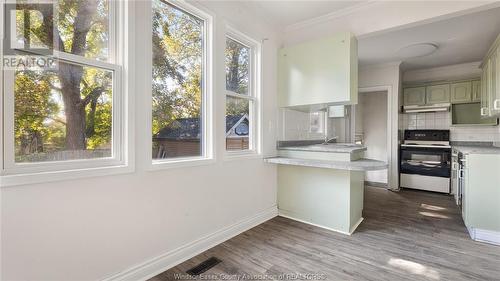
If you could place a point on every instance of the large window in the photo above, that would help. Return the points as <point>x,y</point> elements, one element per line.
<point>179,115</point>
<point>241,94</point>
<point>67,115</point>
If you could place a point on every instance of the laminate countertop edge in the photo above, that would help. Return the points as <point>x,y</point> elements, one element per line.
<point>477,149</point>
<point>357,165</point>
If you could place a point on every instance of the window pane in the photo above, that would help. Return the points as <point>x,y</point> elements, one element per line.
<point>81,26</point>
<point>237,67</point>
<point>237,123</point>
<point>62,115</point>
<point>177,82</point>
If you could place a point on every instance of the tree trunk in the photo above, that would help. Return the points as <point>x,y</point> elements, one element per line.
<point>233,72</point>
<point>71,76</point>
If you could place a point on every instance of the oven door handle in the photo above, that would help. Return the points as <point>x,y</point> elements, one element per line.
<point>426,146</point>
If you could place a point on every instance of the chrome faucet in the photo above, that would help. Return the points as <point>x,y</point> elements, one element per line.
<point>328,140</point>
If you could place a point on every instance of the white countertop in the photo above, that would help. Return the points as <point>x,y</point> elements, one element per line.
<point>477,149</point>
<point>331,148</point>
<point>357,165</point>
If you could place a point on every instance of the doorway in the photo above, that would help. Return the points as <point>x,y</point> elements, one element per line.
<point>371,130</point>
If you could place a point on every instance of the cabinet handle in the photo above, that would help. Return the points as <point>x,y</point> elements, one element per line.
<point>483,111</point>
<point>496,104</point>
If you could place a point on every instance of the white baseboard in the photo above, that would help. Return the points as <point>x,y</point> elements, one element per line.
<point>483,235</point>
<point>281,214</point>
<point>353,228</point>
<point>159,264</point>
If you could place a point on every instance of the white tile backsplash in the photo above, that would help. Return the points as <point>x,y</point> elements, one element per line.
<point>442,121</point>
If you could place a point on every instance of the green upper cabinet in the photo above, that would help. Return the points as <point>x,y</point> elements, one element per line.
<point>319,72</point>
<point>461,92</point>
<point>414,96</point>
<point>486,89</point>
<point>490,81</point>
<point>437,94</point>
<point>495,83</point>
<point>476,90</point>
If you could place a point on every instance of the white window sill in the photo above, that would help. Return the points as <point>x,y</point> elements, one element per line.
<point>241,155</point>
<point>159,165</point>
<point>55,176</point>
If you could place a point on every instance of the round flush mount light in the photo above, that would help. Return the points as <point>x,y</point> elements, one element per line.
<point>417,50</point>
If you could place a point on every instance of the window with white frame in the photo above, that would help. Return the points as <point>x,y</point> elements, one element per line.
<point>180,125</point>
<point>69,115</point>
<point>241,93</point>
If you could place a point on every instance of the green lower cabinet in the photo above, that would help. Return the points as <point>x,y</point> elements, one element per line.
<point>437,94</point>
<point>461,92</point>
<point>476,90</point>
<point>328,198</point>
<point>481,197</point>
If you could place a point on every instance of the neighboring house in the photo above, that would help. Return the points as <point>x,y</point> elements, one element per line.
<point>182,137</point>
<point>237,130</point>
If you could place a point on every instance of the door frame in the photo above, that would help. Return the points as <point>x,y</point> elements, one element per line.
<point>392,133</point>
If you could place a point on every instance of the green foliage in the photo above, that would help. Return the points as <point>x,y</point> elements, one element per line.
<point>32,106</point>
<point>79,27</point>
<point>236,106</point>
<point>177,65</point>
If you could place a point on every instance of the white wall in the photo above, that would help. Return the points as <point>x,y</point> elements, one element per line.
<point>89,229</point>
<point>374,128</point>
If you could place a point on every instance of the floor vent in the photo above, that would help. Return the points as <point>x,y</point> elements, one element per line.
<point>204,266</point>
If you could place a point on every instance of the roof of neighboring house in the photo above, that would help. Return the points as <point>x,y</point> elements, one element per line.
<point>189,128</point>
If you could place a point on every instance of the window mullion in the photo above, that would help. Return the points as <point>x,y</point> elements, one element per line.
<point>8,118</point>
<point>74,59</point>
<point>240,96</point>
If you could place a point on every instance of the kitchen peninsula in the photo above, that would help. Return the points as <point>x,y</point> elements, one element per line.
<point>322,184</point>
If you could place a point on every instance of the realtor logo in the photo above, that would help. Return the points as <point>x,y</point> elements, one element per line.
<point>25,46</point>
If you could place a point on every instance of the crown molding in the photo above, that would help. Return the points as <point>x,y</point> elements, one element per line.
<point>380,65</point>
<point>330,16</point>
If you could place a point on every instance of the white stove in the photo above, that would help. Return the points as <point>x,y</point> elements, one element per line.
<point>426,160</point>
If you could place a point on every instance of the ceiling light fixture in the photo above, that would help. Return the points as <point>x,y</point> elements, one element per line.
<point>417,50</point>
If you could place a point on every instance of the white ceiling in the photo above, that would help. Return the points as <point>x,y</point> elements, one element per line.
<point>460,39</point>
<point>282,13</point>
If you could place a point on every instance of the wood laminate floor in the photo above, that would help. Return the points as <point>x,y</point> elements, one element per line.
<point>407,235</point>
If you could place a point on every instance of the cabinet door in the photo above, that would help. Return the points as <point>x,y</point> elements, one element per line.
<point>461,92</point>
<point>437,94</point>
<point>321,71</point>
<point>414,96</point>
<point>495,83</point>
<point>485,89</point>
<point>465,196</point>
<point>476,91</point>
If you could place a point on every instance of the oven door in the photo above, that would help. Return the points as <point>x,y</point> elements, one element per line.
<point>426,161</point>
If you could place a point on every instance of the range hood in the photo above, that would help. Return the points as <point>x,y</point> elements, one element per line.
<point>426,108</point>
